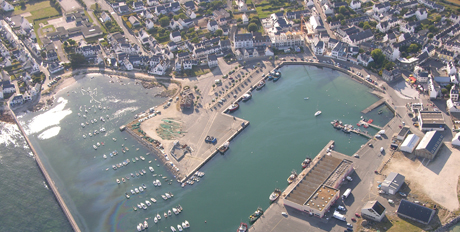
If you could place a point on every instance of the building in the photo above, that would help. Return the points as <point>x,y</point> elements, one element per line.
<point>318,48</point>
<point>431,120</point>
<point>317,191</point>
<point>175,36</point>
<point>409,143</point>
<point>6,6</point>
<point>186,101</point>
<point>243,41</point>
<point>373,210</point>
<point>212,61</point>
<point>392,75</point>
<point>392,183</point>
<point>212,26</point>
<point>402,133</point>
<point>416,212</point>
<point>430,145</point>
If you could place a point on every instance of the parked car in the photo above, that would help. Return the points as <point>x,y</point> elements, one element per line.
<point>391,201</point>
<point>357,215</point>
<point>349,178</point>
<point>341,208</point>
<point>402,194</point>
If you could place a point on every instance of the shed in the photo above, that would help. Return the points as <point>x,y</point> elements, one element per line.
<point>409,143</point>
<point>415,212</point>
<point>402,133</point>
<point>373,210</point>
<point>430,144</point>
<point>456,140</point>
<point>393,183</point>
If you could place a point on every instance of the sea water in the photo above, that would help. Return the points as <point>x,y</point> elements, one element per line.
<point>283,131</point>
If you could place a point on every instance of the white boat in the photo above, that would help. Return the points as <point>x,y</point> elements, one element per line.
<point>155,220</point>
<point>104,156</point>
<point>114,139</point>
<point>378,136</point>
<point>164,197</point>
<point>158,182</point>
<point>173,229</point>
<point>146,225</point>
<point>143,206</point>
<point>148,203</point>
<point>151,169</point>
<point>169,213</point>
<point>98,144</point>
<point>136,190</point>
<point>139,227</point>
<point>167,195</point>
<point>153,200</point>
<point>133,192</point>
<point>317,113</point>
<point>158,216</point>
<point>165,215</point>
<point>82,125</point>
<point>141,189</point>
<point>306,98</point>
<point>95,147</point>
<point>179,227</point>
<point>154,183</point>
<point>187,225</point>
<point>90,135</point>
<point>118,181</point>
<point>183,225</point>
<point>84,136</point>
<point>102,129</point>
<point>175,211</point>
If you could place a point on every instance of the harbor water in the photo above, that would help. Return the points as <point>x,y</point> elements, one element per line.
<point>283,131</point>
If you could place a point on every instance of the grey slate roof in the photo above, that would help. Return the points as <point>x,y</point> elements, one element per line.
<point>419,212</point>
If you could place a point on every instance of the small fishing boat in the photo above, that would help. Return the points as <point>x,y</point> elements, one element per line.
<point>292,177</point>
<point>164,197</point>
<point>306,162</point>
<point>136,190</point>
<point>139,227</point>
<point>153,200</point>
<point>144,186</point>
<point>179,227</point>
<point>243,227</point>
<point>306,98</point>
<point>143,206</point>
<point>175,211</point>
<point>167,195</point>
<point>133,192</point>
<point>114,139</point>
<point>233,107</point>
<point>260,85</point>
<point>141,189</point>
<point>169,213</point>
<point>98,144</point>
<point>148,203</point>
<point>134,208</point>
<point>123,180</point>
<point>142,157</point>
<point>126,195</point>
<point>275,194</point>
<point>158,216</point>
<point>95,147</point>
<point>158,182</point>
<point>118,181</point>
<point>165,215</point>
<point>173,229</point>
<point>82,125</point>
<point>256,215</point>
<point>104,156</point>
<point>247,96</point>
<point>317,113</point>
<point>151,169</point>
<point>224,147</point>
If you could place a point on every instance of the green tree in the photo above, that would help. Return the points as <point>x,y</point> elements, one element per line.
<point>432,28</point>
<point>253,27</point>
<point>389,66</point>
<point>342,10</point>
<point>413,48</point>
<point>66,44</point>
<point>329,19</point>
<point>444,91</point>
<point>430,35</point>
<point>378,57</point>
<point>373,23</point>
<point>361,50</point>
<point>71,42</point>
<point>219,32</point>
<point>340,17</point>
<point>343,22</point>
<point>164,21</point>
<point>366,26</point>
<point>361,24</point>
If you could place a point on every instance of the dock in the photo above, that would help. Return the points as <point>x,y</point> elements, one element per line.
<point>362,122</point>
<point>373,106</point>
<point>338,126</point>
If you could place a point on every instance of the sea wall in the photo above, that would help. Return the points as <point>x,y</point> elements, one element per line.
<point>48,179</point>
<point>448,225</point>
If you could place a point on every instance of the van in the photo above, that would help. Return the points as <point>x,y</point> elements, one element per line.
<point>339,216</point>
<point>346,193</point>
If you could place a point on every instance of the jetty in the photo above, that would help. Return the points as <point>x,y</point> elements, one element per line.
<point>48,179</point>
<point>373,106</point>
<point>349,128</point>
<point>362,122</point>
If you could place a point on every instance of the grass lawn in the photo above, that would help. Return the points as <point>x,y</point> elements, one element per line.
<point>45,12</point>
<point>456,2</point>
<point>31,7</point>
<point>89,17</point>
<point>37,27</point>
<point>47,29</point>
<point>268,9</point>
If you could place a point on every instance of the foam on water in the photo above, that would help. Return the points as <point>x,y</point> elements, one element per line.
<point>49,133</point>
<point>9,134</point>
<point>122,111</point>
<point>49,118</point>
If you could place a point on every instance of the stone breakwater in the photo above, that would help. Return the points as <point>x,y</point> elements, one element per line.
<point>48,179</point>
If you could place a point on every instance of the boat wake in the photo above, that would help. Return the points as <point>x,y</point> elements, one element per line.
<point>123,111</point>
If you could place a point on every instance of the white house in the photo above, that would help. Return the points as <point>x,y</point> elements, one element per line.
<point>318,47</point>
<point>212,25</point>
<point>6,6</point>
<point>128,65</point>
<point>149,24</point>
<point>454,18</point>
<point>269,52</point>
<point>359,37</point>
<point>373,210</point>
<point>160,69</point>
<point>421,14</point>
<point>243,41</point>
<point>105,17</point>
<point>327,9</point>
<point>152,2</point>
<point>212,61</point>
<point>364,59</point>
<point>383,26</point>
<point>355,4</point>
<point>245,18</point>
<point>175,36</point>
<point>391,53</point>
<point>381,7</point>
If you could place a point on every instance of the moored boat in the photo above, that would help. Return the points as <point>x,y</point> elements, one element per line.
<point>275,194</point>
<point>224,147</point>
<point>256,215</point>
<point>187,225</point>
<point>260,85</point>
<point>292,177</point>
<point>173,229</point>
<point>247,96</point>
<point>233,107</point>
<point>317,113</point>
<point>95,147</point>
<point>306,162</point>
<point>243,227</point>
<point>151,169</point>
<point>179,227</point>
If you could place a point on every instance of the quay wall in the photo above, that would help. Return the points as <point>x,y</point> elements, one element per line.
<point>351,74</point>
<point>448,225</point>
<point>48,179</point>
<point>214,152</point>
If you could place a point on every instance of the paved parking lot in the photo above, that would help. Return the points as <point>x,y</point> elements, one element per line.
<point>61,22</point>
<point>70,5</point>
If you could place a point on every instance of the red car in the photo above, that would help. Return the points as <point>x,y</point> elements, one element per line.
<point>353,219</point>
<point>357,215</point>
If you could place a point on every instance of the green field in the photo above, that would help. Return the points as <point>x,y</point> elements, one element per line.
<point>31,7</point>
<point>264,9</point>
<point>37,10</point>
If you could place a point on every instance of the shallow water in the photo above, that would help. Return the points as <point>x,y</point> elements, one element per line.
<point>283,131</point>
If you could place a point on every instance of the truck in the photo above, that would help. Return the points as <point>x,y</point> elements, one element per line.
<point>346,193</point>
<point>339,216</point>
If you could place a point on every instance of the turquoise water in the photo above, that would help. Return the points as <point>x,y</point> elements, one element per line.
<point>283,131</point>
<point>455,228</point>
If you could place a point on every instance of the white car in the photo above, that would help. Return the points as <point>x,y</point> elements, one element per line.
<point>341,208</point>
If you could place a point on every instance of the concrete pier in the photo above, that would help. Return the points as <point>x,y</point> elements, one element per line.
<point>48,179</point>
<point>373,106</point>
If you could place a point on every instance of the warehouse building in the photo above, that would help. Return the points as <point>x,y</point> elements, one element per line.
<point>415,212</point>
<point>373,210</point>
<point>431,120</point>
<point>392,183</point>
<point>410,143</point>
<point>430,145</point>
